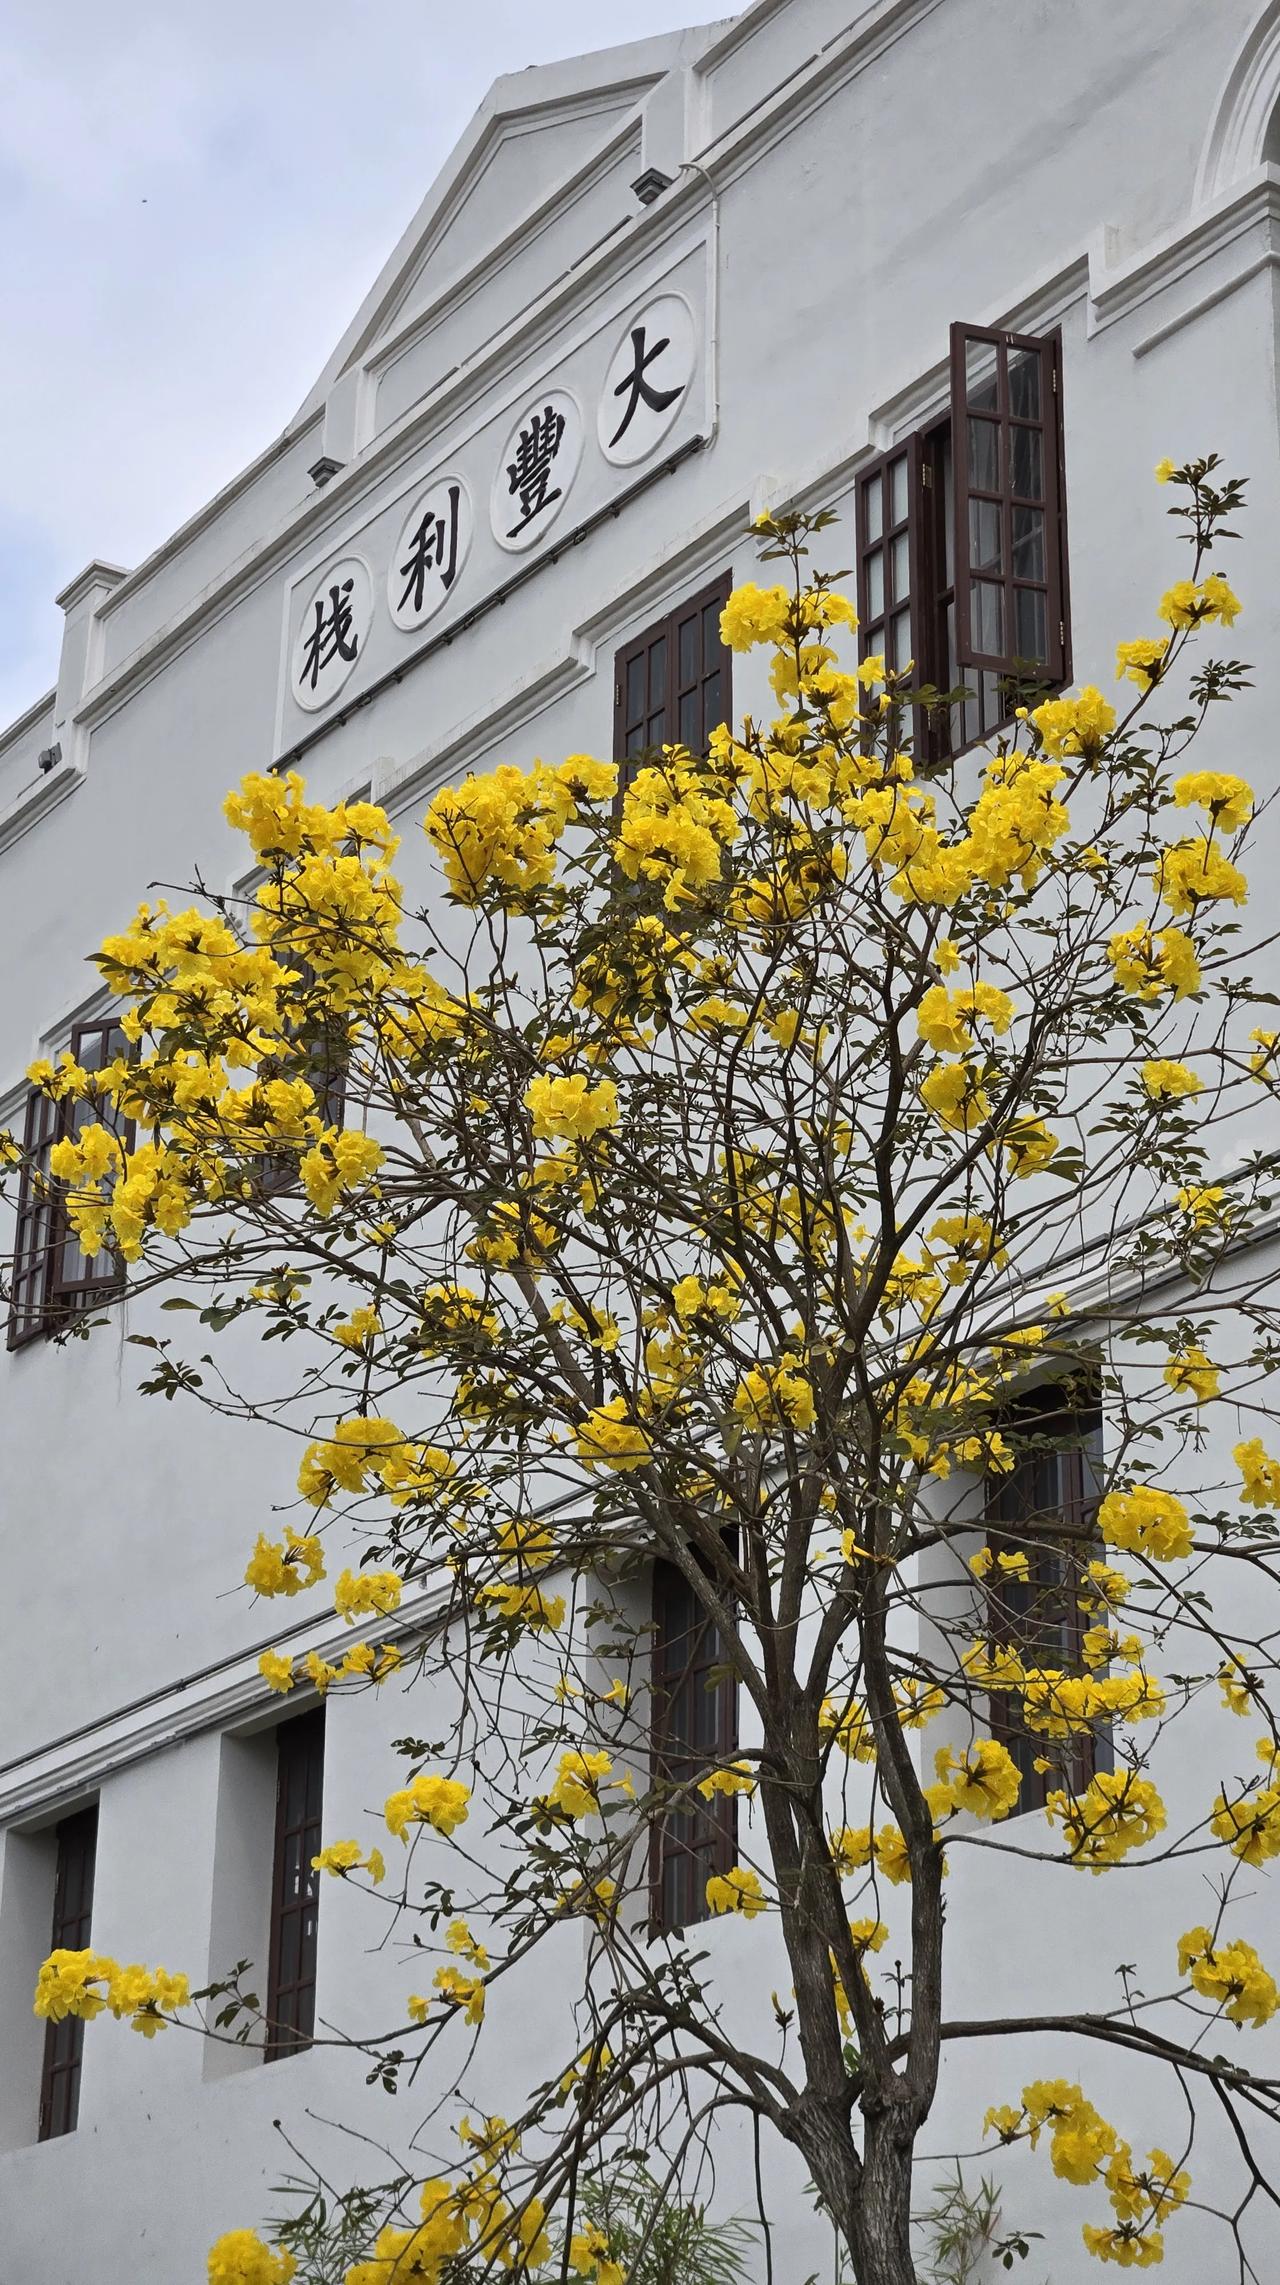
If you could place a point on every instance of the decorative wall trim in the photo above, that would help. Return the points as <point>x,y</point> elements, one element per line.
<point>36,800</point>
<point>1236,141</point>
<point>1242,222</point>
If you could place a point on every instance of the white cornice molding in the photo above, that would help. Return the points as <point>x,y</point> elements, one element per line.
<point>1244,222</point>
<point>1246,102</point>
<point>36,800</point>
<point>216,1697</point>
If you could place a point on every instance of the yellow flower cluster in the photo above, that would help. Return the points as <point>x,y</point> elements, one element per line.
<point>946,1020</point>
<point>1070,727</point>
<point>440,1802</point>
<point>579,1784</point>
<point>589,2257</point>
<point>1250,1825</point>
<point>359,1592</point>
<point>1188,605</point>
<point>1085,2148</point>
<point>84,1983</point>
<point>1190,1370</point>
<point>610,1438</point>
<point>1166,1082</point>
<point>241,2258</point>
<point>1261,1474</point>
<point>571,1108</point>
<point>675,826</point>
<point>1148,1522</point>
<point>772,1398</point>
<point>1231,1975</point>
<point>498,835</point>
<point>737,1890</point>
<point>1149,961</point>
<point>365,1451</point>
<point>737,1778</point>
<point>984,1780</point>
<point>361,1661</point>
<point>284,1566</point>
<point>342,1857</point>
<point>1117,1811</point>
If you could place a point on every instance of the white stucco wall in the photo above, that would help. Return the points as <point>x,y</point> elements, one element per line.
<point>860,176</point>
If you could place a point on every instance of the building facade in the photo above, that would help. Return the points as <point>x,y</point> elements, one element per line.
<point>795,258</point>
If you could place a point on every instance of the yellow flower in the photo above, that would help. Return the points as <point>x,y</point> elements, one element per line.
<point>1250,1825</point>
<point>1207,1206</point>
<point>1145,1521</point>
<point>284,1567</point>
<point>338,1163</point>
<point>775,1397</point>
<point>1186,605</point>
<point>1228,800</point>
<point>736,1891</point>
<point>985,1779</point>
<point>754,615</point>
<point>440,1802</point>
<point>945,1020</point>
<point>1190,1369</point>
<point>1164,470</point>
<point>1165,1082</point>
<point>579,1778</point>
<point>610,1438</point>
<point>1116,1812</point>
<point>737,1778</point>
<point>339,1857</point>
<point>526,1606</point>
<point>463,1992</point>
<point>1231,1975</point>
<point>1261,1485</point>
<point>1072,726</point>
<point>570,1107</point>
<point>1192,873</point>
<point>1149,963</point>
<point>1028,1145</point>
<point>1143,661</point>
<point>241,2258</point>
<point>358,1592</point>
<point>276,1670</point>
<point>953,1093</point>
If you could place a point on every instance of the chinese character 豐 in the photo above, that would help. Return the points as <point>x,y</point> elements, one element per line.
<point>529,473</point>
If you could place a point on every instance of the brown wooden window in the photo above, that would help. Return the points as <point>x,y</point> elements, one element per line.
<point>962,543</point>
<point>694,1729</point>
<point>77,1842</point>
<point>1054,1481</point>
<point>672,685</point>
<point>295,1887</point>
<point>52,1279</point>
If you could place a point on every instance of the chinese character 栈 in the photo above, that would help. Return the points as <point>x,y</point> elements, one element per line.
<point>529,474</point>
<point>333,635</point>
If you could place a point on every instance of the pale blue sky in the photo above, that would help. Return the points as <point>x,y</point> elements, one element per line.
<point>193,200</point>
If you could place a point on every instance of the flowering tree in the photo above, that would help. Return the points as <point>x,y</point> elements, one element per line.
<point>761,1171</point>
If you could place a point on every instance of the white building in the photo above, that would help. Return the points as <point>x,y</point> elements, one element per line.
<point>654,291</point>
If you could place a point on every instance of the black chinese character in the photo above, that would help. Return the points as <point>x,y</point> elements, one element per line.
<point>635,382</point>
<point>434,547</point>
<point>529,473</point>
<point>331,637</point>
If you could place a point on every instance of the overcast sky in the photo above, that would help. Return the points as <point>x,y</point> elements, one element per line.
<point>194,198</point>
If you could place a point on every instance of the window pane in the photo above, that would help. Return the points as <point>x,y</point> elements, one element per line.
<point>873,508</point>
<point>658,672</point>
<point>985,546</point>
<point>1031,623</point>
<point>688,730</point>
<point>635,688</point>
<point>1024,384</point>
<point>635,739</point>
<point>655,730</point>
<point>875,584</point>
<point>980,376</point>
<point>898,491</point>
<point>689,661</point>
<point>1028,543</point>
<point>900,631</point>
<point>984,455</point>
<point>948,512</point>
<point>1027,474</point>
<point>712,712</point>
<point>711,630</point>
<point>988,616</point>
<point>900,567</point>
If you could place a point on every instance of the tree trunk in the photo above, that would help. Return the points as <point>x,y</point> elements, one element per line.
<point>874,2218</point>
